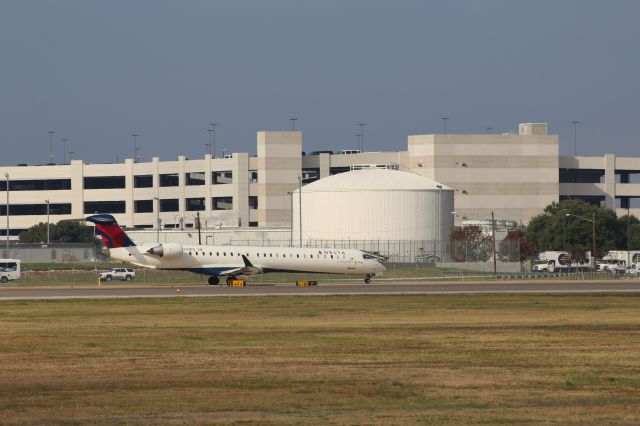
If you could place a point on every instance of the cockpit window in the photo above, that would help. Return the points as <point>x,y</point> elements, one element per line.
<point>368,256</point>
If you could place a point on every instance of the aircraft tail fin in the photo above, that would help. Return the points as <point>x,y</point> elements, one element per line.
<point>111,233</point>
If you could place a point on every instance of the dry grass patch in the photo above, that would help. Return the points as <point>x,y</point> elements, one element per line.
<point>352,359</point>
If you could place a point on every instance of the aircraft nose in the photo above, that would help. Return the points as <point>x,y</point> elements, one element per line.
<point>380,267</point>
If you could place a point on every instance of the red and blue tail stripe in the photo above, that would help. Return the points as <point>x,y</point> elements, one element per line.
<point>111,233</point>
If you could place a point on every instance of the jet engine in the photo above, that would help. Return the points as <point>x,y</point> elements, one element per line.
<point>168,250</point>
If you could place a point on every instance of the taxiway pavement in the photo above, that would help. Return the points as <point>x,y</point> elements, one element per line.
<point>329,289</point>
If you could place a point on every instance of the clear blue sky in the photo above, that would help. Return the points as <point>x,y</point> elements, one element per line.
<point>98,71</point>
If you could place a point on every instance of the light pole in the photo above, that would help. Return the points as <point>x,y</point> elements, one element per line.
<point>208,145</point>
<point>293,123</point>
<point>575,145</point>
<point>291,219</point>
<point>51,133</point>
<point>70,156</point>
<point>362,135</point>
<point>359,136</point>
<point>48,239</point>
<point>213,129</point>
<point>489,129</point>
<point>564,241</point>
<point>493,237</point>
<point>6,175</point>
<point>64,150</point>
<point>157,218</point>
<point>449,241</point>
<point>300,206</point>
<point>628,236</point>
<point>438,220</point>
<point>593,237</point>
<point>135,147</point>
<point>444,120</point>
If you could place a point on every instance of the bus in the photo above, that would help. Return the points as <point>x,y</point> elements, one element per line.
<point>9,270</point>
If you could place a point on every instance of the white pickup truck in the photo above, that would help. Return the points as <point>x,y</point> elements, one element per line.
<point>122,274</point>
<point>9,270</point>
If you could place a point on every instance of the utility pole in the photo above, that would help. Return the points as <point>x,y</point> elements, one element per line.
<point>593,223</point>
<point>135,147</point>
<point>64,150</point>
<point>208,145</point>
<point>291,221</point>
<point>300,206</point>
<point>444,120</point>
<point>362,136</point>
<point>51,133</point>
<point>213,129</point>
<point>6,175</point>
<point>48,239</point>
<point>493,232</point>
<point>628,233</point>
<point>575,145</point>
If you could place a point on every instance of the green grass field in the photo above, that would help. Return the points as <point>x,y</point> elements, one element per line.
<point>322,360</point>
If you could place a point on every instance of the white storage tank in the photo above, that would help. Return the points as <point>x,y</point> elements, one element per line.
<point>374,204</point>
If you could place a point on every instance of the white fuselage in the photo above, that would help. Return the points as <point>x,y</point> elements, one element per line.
<point>216,260</point>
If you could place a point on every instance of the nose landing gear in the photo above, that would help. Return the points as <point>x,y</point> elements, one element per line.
<point>367,279</point>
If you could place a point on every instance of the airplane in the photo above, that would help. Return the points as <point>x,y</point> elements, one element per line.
<point>232,261</point>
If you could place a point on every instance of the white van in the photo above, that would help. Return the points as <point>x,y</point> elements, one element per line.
<point>9,270</point>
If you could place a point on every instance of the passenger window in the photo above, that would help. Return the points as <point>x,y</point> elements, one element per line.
<point>298,256</point>
<point>231,254</point>
<point>224,253</point>
<point>312,256</point>
<point>270,254</point>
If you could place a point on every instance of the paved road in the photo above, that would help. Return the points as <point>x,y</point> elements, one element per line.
<point>380,288</point>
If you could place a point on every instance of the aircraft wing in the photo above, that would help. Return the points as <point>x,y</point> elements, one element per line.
<point>248,269</point>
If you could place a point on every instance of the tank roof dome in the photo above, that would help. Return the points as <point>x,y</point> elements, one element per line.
<point>374,180</point>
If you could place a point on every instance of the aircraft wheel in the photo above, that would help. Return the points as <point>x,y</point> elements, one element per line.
<point>214,280</point>
<point>367,280</point>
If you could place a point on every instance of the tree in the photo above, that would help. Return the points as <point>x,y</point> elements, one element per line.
<point>633,230</point>
<point>554,230</point>
<point>516,240</point>
<point>470,244</point>
<point>64,231</point>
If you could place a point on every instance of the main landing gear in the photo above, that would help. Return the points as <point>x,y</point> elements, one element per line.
<point>214,280</point>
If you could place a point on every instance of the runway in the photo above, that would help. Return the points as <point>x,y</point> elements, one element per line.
<point>330,289</point>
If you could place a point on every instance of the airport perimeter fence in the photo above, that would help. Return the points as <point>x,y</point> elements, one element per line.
<point>53,253</point>
<point>414,251</point>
